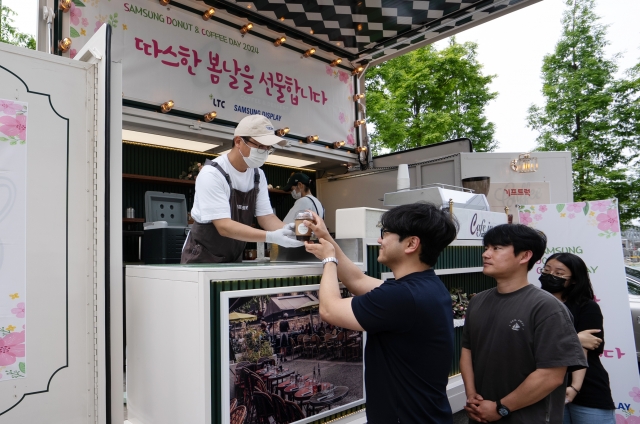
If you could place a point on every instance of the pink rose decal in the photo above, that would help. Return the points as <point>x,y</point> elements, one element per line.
<point>350,88</point>
<point>350,140</point>
<point>537,217</point>
<point>635,394</point>
<point>18,311</point>
<point>73,53</point>
<point>98,25</point>
<point>572,215</point>
<point>342,118</point>
<point>630,420</point>
<point>75,14</point>
<point>543,208</point>
<point>11,347</point>
<point>525,218</point>
<point>8,107</point>
<point>329,70</point>
<point>600,205</point>
<point>85,22</point>
<point>606,221</point>
<point>576,207</point>
<point>343,76</point>
<point>14,126</point>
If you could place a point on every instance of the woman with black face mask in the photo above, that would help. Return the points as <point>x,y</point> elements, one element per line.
<point>588,398</point>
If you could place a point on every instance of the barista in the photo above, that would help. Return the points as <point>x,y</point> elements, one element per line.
<point>300,185</point>
<point>230,191</point>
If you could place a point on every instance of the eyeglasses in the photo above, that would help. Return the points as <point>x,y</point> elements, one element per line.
<point>382,231</point>
<point>260,147</point>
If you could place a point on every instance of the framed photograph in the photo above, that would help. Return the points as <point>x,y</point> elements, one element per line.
<point>284,363</point>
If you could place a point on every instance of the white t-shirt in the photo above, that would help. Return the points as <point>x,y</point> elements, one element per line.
<point>212,191</point>
<point>302,204</point>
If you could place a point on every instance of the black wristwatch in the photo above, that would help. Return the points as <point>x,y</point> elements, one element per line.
<point>503,411</point>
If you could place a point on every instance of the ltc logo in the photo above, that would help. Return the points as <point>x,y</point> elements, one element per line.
<point>516,325</point>
<point>243,207</point>
<point>269,127</point>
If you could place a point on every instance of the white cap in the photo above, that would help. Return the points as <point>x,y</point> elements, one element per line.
<point>259,128</point>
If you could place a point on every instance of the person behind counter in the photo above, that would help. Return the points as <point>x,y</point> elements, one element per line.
<point>230,191</point>
<point>408,320</point>
<point>300,185</point>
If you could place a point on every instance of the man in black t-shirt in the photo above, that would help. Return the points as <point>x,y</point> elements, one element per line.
<point>518,340</point>
<point>409,320</point>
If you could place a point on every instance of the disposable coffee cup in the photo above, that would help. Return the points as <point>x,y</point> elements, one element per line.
<point>303,233</point>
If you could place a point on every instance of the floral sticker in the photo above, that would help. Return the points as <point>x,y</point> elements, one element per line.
<point>13,122</point>
<point>13,142</point>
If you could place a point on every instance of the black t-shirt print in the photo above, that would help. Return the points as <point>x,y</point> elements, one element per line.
<point>510,336</point>
<point>409,349</point>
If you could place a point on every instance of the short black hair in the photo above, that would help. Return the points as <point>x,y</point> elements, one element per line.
<point>435,227</point>
<point>521,237</point>
<point>581,290</point>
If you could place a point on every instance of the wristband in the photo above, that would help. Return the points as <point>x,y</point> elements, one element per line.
<point>330,259</point>
<point>577,391</point>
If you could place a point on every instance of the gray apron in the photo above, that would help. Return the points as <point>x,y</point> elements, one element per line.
<point>205,244</point>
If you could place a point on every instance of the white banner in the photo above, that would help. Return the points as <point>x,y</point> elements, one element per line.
<point>591,230</point>
<point>171,54</point>
<point>13,271</point>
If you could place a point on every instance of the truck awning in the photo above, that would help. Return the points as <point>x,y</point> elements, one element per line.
<point>369,31</point>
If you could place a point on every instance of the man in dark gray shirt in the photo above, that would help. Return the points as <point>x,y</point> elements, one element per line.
<point>518,340</point>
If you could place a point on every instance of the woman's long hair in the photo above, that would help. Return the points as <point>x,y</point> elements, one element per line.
<point>580,290</point>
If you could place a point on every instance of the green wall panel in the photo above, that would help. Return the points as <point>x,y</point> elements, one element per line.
<point>451,257</point>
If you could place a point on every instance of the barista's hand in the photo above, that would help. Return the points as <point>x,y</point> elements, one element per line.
<point>319,228</point>
<point>322,250</point>
<point>285,237</point>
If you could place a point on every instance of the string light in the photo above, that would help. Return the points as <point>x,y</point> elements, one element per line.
<point>338,144</point>
<point>64,44</point>
<point>361,149</point>
<point>282,132</point>
<point>357,70</point>
<point>164,2</point>
<point>208,117</point>
<point>309,52</point>
<point>64,5</point>
<point>278,42</point>
<point>335,62</point>
<point>246,28</point>
<point>312,138</point>
<point>357,123</point>
<point>208,14</point>
<point>166,106</point>
<point>357,97</point>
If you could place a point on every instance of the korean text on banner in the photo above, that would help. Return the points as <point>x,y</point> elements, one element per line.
<point>591,230</point>
<point>13,271</point>
<point>171,54</point>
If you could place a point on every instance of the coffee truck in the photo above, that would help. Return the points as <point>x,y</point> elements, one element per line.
<point>111,117</point>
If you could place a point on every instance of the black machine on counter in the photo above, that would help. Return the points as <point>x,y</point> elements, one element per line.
<point>166,227</point>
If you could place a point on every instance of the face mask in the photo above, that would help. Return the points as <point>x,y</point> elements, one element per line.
<point>551,283</point>
<point>296,194</point>
<point>255,159</point>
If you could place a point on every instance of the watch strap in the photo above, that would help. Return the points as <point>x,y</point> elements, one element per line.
<point>502,410</point>
<point>329,259</point>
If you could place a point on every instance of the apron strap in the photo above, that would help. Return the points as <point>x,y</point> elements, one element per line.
<point>215,165</point>
<point>316,208</point>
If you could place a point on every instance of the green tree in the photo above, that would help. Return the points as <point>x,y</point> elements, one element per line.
<point>10,34</point>
<point>428,96</point>
<point>589,112</point>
